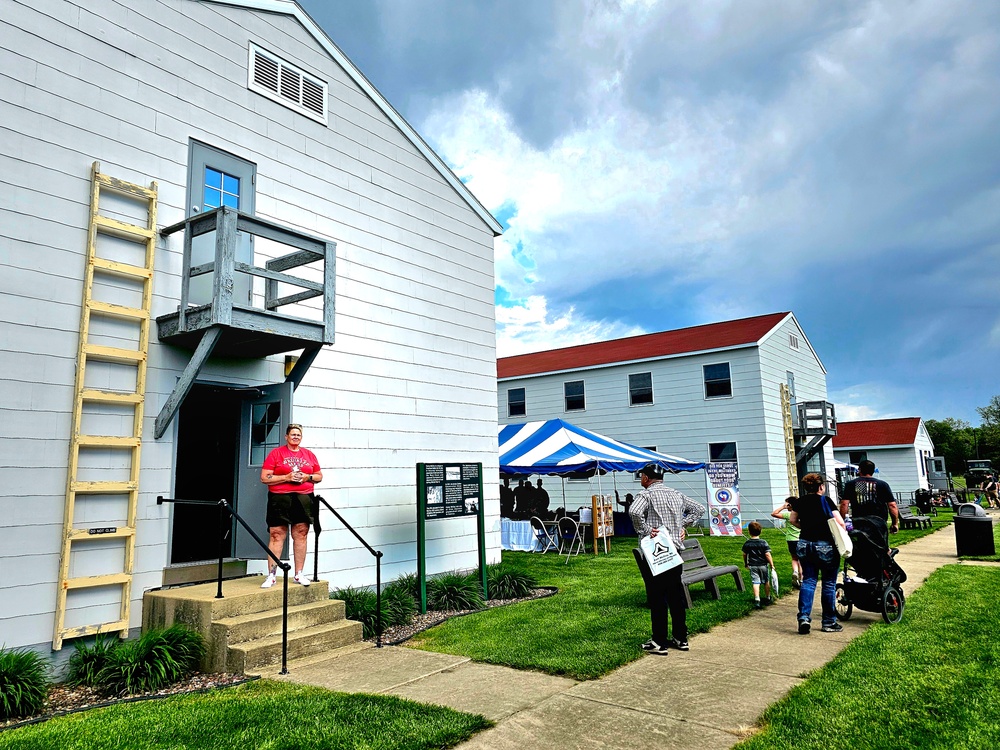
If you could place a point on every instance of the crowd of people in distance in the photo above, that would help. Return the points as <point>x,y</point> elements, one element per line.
<point>525,500</point>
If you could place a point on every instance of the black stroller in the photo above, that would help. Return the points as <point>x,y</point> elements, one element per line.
<point>872,579</point>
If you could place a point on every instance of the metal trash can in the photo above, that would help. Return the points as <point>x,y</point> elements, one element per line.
<point>973,531</point>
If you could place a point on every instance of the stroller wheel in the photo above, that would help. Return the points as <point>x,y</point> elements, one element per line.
<point>892,605</point>
<point>845,608</point>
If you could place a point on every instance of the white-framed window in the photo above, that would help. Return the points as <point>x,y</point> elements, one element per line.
<point>516,406</point>
<point>718,382</point>
<point>575,395</point>
<point>640,388</point>
<point>723,452</point>
<point>279,80</point>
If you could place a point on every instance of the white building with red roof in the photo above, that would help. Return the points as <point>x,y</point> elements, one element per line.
<point>900,448</point>
<point>709,392</point>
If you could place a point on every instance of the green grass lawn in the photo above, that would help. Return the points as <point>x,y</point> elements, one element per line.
<point>932,681</point>
<point>263,715</point>
<point>596,622</point>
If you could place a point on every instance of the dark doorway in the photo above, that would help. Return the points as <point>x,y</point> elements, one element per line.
<point>207,449</point>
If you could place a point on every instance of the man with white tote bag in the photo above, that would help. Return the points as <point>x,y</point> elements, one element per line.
<point>657,511</point>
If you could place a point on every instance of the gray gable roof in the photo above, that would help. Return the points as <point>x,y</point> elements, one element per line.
<point>291,8</point>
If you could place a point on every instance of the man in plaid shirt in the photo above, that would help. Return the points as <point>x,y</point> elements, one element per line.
<point>658,505</point>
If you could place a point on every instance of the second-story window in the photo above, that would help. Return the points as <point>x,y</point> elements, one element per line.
<point>575,399</point>
<point>640,388</point>
<point>515,403</point>
<point>718,383</point>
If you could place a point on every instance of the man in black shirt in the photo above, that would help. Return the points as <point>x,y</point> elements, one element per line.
<point>870,501</point>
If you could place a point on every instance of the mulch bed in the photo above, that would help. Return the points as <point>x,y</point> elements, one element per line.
<point>397,634</point>
<point>66,699</point>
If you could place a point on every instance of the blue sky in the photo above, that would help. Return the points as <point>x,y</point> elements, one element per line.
<point>665,164</point>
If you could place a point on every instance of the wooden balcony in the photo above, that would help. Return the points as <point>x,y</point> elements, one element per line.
<point>817,423</point>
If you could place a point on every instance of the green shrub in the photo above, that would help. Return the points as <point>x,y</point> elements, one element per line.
<point>409,583</point>
<point>504,582</point>
<point>156,659</point>
<point>398,606</point>
<point>454,591</point>
<point>87,661</point>
<point>24,683</point>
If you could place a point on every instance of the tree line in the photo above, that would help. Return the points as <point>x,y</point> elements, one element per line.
<point>958,441</point>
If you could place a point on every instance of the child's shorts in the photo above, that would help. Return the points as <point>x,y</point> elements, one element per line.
<point>759,575</point>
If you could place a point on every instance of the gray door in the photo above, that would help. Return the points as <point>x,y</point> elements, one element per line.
<point>216,178</point>
<point>263,420</point>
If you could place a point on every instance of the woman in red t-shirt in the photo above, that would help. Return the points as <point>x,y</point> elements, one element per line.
<point>290,473</point>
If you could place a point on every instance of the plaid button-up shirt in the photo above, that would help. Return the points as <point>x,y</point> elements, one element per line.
<point>659,505</point>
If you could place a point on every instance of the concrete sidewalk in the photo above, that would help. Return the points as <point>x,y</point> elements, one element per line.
<point>704,698</point>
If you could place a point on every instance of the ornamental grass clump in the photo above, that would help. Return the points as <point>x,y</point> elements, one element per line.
<point>360,604</point>
<point>454,591</point>
<point>24,683</point>
<point>88,660</point>
<point>156,659</point>
<point>504,582</point>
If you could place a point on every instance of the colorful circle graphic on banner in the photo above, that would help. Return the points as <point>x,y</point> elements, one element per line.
<point>735,520</point>
<point>723,496</point>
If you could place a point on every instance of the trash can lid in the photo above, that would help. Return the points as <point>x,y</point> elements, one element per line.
<point>970,509</point>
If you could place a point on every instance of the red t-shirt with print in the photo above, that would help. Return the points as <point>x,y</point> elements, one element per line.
<point>283,460</point>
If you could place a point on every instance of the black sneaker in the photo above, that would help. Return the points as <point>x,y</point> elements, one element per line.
<point>804,627</point>
<point>757,604</point>
<point>658,650</point>
<point>649,645</point>
<point>767,601</point>
<point>679,645</point>
<point>835,628</point>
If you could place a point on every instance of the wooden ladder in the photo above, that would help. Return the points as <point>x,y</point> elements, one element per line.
<point>786,416</point>
<point>117,270</point>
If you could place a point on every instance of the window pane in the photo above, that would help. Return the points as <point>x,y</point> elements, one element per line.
<point>717,381</point>
<point>640,388</point>
<point>213,198</point>
<point>213,178</point>
<point>515,402</point>
<point>722,451</point>
<point>231,184</point>
<point>233,201</point>
<point>575,399</point>
<point>717,372</point>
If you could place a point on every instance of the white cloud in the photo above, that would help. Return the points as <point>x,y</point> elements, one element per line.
<point>530,327</point>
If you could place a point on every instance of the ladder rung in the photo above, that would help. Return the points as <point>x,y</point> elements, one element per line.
<point>113,354</point>
<point>107,441</point>
<point>104,488</point>
<point>118,311</point>
<point>122,269</point>
<point>111,397</point>
<point>89,582</point>
<point>125,188</point>
<point>85,630</point>
<point>107,225</point>
<point>120,532</point>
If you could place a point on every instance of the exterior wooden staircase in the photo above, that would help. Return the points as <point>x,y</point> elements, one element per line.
<point>243,629</point>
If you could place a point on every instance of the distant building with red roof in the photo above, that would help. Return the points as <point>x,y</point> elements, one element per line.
<point>708,392</point>
<point>900,448</point>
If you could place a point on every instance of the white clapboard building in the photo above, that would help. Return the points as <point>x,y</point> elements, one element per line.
<point>706,393</point>
<point>212,224</point>
<point>900,448</point>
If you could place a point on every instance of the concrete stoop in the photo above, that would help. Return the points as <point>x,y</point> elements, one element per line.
<point>243,629</point>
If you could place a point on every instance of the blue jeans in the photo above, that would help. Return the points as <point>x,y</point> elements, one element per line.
<point>818,559</point>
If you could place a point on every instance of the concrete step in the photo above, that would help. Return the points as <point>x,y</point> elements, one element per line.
<point>184,574</point>
<point>272,670</point>
<point>243,628</point>
<point>309,641</point>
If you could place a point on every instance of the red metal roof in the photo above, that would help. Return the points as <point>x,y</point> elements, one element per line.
<point>647,346</point>
<point>901,431</point>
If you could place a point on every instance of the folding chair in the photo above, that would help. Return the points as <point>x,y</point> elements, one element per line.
<point>543,539</point>
<point>570,536</point>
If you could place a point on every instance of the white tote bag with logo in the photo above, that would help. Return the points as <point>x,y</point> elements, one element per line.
<point>660,552</point>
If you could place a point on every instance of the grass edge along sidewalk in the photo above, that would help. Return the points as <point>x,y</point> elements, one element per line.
<point>597,620</point>
<point>254,715</point>
<point>929,682</point>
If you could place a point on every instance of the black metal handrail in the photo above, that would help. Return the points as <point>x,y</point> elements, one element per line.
<point>377,554</point>
<point>224,508</point>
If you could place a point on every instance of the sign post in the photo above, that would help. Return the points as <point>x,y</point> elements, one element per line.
<point>448,490</point>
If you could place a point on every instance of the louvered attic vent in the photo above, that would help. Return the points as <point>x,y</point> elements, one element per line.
<point>286,84</point>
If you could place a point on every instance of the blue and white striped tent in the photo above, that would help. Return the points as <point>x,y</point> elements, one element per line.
<point>558,448</point>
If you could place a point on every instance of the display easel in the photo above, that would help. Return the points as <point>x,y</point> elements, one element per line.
<point>602,519</point>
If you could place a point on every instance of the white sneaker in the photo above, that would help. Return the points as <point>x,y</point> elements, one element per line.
<point>269,581</point>
<point>301,578</point>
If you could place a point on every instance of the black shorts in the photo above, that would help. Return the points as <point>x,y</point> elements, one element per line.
<point>289,508</point>
<point>793,548</point>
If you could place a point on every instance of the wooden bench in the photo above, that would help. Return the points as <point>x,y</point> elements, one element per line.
<point>910,520</point>
<point>697,569</point>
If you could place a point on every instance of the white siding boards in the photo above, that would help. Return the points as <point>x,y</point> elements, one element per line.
<point>681,420</point>
<point>411,376</point>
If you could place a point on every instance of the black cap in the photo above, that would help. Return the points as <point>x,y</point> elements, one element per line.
<point>652,471</point>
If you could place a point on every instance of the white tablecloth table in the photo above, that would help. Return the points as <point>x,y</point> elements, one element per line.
<point>516,535</point>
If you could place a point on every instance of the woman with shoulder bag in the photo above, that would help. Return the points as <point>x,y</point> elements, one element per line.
<point>818,557</point>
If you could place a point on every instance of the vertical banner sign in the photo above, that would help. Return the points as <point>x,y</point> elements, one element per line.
<point>723,480</point>
<point>448,491</point>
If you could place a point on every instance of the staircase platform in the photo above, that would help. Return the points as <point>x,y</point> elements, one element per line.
<point>243,629</point>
